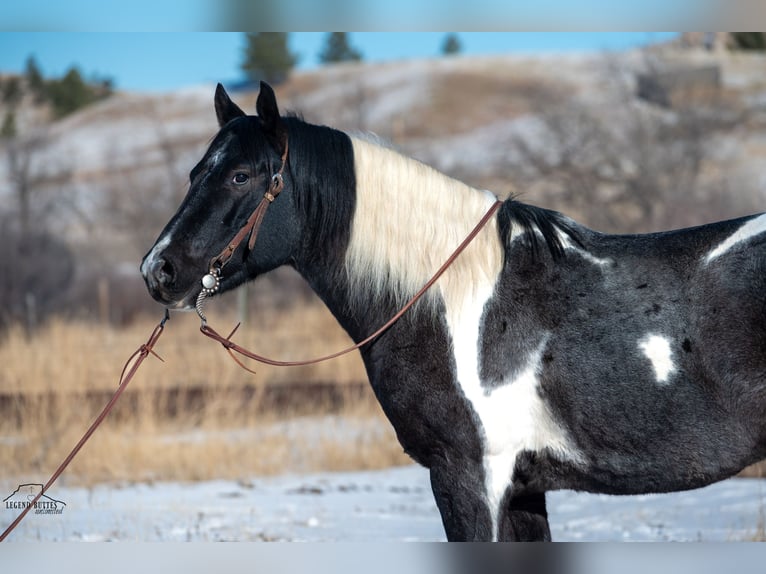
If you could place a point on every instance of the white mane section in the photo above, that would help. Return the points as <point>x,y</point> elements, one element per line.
<point>409,218</point>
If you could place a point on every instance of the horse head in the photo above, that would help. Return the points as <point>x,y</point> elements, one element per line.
<point>225,187</point>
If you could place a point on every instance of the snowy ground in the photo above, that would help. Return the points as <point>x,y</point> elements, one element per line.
<point>382,506</point>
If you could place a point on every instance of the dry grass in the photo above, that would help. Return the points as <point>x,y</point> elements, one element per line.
<point>197,415</point>
<point>74,356</point>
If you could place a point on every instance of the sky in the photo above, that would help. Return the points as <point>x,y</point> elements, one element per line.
<point>366,15</point>
<point>164,61</point>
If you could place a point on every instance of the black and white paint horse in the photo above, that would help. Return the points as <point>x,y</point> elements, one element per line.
<point>549,356</point>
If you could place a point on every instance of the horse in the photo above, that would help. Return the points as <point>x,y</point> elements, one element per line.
<point>548,356</point>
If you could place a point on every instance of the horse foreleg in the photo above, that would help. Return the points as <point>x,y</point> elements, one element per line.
<point>459,497</point>
<point>524,519</point>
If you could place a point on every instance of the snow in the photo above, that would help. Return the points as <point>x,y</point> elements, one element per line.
<point>390,505</point>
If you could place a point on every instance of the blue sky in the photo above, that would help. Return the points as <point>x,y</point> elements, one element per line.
<point>366,15</point>
<point>165,61</point>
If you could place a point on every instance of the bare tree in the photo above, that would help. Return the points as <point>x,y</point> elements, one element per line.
<point>139,202</point>
<point>25,181</point>
<point>174,168</point>
<point>35,267</point>
<point>625,163</point>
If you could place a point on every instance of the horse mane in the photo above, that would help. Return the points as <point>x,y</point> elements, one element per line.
<point>322,159</point>
<point>326,161</point>
<point>538,226</point>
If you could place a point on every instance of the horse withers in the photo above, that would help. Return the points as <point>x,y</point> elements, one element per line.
<point>548,356</point>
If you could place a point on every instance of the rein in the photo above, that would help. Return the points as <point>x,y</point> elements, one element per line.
<point>125,377</point>
<point>211,282</point>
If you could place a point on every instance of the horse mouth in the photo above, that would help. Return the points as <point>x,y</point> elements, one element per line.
<point>184,303</point>
<point>171,299</point>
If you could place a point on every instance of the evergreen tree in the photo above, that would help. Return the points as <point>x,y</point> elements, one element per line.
<point>69,93</point>
<point>35,80</point>
<point>451,45</point>
<point>337,49</point>
<point>267,57</point>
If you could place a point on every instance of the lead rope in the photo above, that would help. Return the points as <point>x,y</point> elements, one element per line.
<point>127,374</point>
<point>231,347</point>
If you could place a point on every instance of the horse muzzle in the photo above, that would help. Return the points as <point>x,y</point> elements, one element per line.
<point>165,285</point>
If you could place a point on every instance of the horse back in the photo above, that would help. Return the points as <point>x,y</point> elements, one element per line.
<point>654,352</point>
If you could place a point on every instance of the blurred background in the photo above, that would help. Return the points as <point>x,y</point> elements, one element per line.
<point>626,132</point>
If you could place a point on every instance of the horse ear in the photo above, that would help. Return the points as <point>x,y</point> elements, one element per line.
<point>268,112</point>
<point>266,106</point>
<point>225,109</point>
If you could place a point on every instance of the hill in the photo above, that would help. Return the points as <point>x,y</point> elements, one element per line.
<point>570,132</point>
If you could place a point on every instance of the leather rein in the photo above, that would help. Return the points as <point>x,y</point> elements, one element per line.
<point>211,281</point>
<point>210,284</point>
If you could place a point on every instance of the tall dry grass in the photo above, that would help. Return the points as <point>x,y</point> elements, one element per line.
<point>195,416</point>
<point>74,356</point>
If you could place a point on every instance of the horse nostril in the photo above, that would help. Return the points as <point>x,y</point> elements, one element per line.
<point>164,272</point>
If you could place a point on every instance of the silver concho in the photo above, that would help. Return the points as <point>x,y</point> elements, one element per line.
<point>211,282</point>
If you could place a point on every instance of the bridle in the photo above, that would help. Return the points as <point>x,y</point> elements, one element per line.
<point>212,280</point>
<point>210,284</point>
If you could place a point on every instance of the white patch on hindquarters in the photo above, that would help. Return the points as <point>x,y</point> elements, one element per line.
<point>657,349</point>
<point>750,229</point>
<point>513,416</point>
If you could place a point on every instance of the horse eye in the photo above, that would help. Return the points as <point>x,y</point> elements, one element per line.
<point>240,178</point>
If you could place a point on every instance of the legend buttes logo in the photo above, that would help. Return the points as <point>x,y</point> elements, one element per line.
<point>23,496</point>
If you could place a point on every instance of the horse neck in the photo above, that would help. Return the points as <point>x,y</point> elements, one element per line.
<point>408,219</point>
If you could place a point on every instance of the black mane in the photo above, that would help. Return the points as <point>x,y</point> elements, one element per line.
<point>322,159</point>
<point>539,225</point>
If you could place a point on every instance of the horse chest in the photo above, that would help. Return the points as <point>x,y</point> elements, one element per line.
<point>511,413</point>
